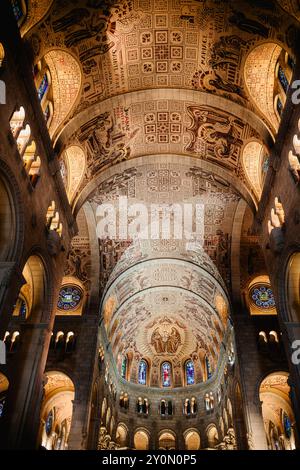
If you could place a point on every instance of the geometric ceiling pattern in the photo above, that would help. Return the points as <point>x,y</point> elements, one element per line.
<point>170,183</point>
<point>145,77</point>
<point>156,100</point>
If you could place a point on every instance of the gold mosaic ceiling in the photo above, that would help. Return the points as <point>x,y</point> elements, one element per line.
<point>158,99</point>
<point>135,51</point>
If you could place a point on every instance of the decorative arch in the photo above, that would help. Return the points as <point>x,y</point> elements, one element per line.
<point>167,440</point>
<point>73,166</point>
<point>259,75</point>
<point>192,439</point>
<point>212,436</point>
<point>122,435</point>
<point>278,415</point>
<point>293,287</point>
<point>56,411</point>
<point>66,84</point>
<point>229,412</point>
<point>32,293</point>
<point>254,163</point>
<point>35,12</point>
<point>141,439</point>
<point>103,409</point>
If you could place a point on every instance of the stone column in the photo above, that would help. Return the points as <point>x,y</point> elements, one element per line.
<point>21,420</point>
<point>250,372</point>
<point>86,355</point>
<point>11,281</point>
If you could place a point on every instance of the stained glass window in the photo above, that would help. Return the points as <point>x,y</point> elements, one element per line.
<point>124,368</point>
<point>262,296</point>
<point>282,78</point>
<point>166,374</point>
<point>43,87</point>
<point>2,403</point>
<point>49,423</point>
<point>23,309</point>
<point>17,9</point>
<point>279,106</point>
<point>143,372</point>
<point>208,368</point>
<point>69,297</point>
<point>190,373</point>
<point>266,164</point>
<point>287,426</point>
<point>47,113</point>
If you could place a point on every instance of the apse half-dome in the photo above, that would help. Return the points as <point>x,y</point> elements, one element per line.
<point>170,311</point>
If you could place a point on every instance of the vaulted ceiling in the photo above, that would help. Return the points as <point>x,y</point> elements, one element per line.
<point>164,101</point>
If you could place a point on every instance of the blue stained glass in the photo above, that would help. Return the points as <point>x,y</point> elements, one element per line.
<point>17,9</point>
<point>49,423</point>
<point>69,298</point>
<point>2,403</point>
<point>166,374</point>
<point>287,426</point>
<point>23,309</point>
<point>143,373</point>
<point>282,78</point>
<point>208,368</point>
<point>279,106</point>
<point>124,368</point>
<point>266,164</point>
<point>43,87</point>
<point>262,296</point>
<point>190,373</point>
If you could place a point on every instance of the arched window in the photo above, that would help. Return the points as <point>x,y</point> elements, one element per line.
<point>19,9</point>
<point>17,121</point>
<point>124,367</point>
<point>44,85</point>
<point>279,105</point>
<point>49,423</point>
<point>189,372</point>
<point>208,368</point>
<point>143,368</point>
<point>287,425</point>
<point>166,371</point>
<point>282,79</point>
<point>193,405</point>
<point>48,113</point>
<point>2,403</point>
